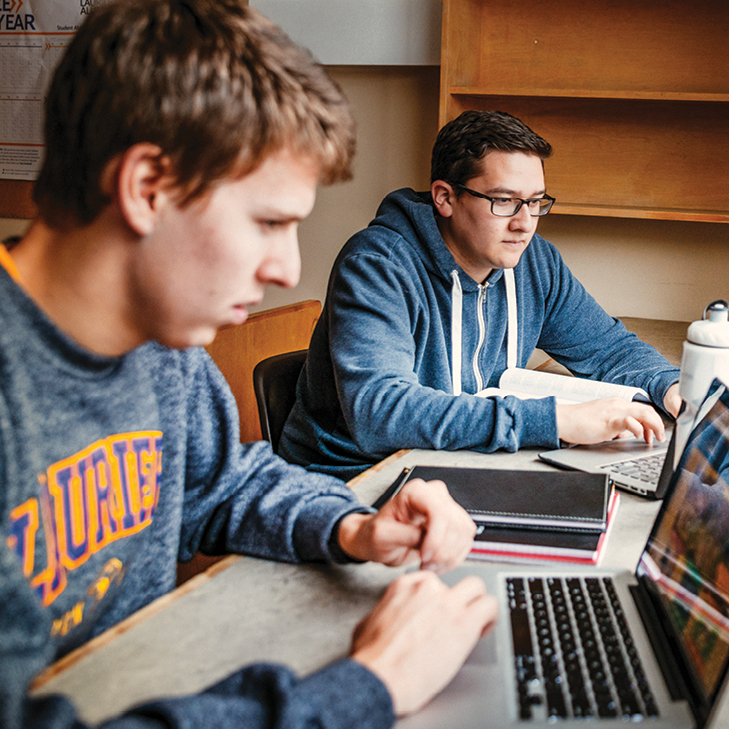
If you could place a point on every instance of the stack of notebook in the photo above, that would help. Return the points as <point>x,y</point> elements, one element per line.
<point>529,516</point>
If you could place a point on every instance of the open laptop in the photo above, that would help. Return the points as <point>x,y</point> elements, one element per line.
<point>632,465</point>
<point>559,654</point>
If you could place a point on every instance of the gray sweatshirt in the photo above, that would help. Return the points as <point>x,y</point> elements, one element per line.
<point>112,470</point>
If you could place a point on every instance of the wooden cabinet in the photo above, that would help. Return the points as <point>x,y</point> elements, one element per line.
<point>634,97</point>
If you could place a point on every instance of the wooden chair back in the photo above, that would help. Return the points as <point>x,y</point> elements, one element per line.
<point>238,349</point>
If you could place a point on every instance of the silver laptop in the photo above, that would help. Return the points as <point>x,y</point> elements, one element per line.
<point>613,648</point>
<point>632,465</point>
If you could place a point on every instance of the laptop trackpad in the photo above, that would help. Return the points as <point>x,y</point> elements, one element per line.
<point>475,698</point>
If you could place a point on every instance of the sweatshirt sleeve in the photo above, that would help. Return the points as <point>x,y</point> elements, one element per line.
<point>241,498</point>
<point>580,334</point>
<point>341,695</point>
<point>262,696</point>
<point>385,403</point>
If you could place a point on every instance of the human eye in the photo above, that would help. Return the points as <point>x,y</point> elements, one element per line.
<point>503,203</point>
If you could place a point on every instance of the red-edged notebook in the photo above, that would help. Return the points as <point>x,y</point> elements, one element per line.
<point>538,545</point>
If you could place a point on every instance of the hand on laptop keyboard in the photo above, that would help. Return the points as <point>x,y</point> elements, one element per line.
<point>420,633</point>
<point>600,420</point>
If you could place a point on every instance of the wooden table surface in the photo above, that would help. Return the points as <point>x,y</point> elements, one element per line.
<point>246,610</point>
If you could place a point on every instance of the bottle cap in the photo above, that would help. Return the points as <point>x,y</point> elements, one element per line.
<point>713,329</point>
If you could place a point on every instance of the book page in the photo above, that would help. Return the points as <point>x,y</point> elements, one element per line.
<point>526,384</point>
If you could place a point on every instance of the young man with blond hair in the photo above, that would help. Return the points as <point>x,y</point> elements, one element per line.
<point>185,141</point>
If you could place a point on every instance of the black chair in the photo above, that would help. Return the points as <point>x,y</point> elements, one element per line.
<point>274,382</point>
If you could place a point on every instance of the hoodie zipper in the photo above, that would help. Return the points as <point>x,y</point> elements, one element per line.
<point>457,327</point>
<point>481,333</point>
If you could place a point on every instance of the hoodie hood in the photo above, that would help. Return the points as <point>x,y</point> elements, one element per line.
<point>412,216</point>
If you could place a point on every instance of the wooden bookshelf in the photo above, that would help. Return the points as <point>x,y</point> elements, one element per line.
<point>634,97</point>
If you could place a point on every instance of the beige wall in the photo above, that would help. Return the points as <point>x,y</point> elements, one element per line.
<point>657,269</point>
<point>12,226</point>
<point>654,269</point>
<point>649,268</point>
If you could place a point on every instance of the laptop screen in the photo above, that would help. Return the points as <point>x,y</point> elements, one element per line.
<point>686,559</point>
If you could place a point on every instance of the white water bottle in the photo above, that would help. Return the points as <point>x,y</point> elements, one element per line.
<point>705,356</point>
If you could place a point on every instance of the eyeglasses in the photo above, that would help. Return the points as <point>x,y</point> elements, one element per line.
<point>506,207</point>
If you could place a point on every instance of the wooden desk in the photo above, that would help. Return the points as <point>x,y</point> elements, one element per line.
<point>252,610</point>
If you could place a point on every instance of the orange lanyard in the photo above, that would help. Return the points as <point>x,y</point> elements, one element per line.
<point>7,262</point>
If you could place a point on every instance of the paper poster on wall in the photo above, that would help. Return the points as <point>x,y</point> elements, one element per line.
<point>33,36</point>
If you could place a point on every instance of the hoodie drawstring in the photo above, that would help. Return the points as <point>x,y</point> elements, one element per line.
<point>456,329</point>
<point>512,330</point>
<point>457,325</point>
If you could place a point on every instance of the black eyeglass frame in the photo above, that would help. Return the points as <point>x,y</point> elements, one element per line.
<point>492,200</point>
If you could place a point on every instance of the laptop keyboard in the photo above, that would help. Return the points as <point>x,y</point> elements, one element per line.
<point>573,652</point>
<point>640,471</point>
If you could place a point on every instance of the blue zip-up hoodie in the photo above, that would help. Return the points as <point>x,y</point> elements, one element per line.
<point>379,375</point>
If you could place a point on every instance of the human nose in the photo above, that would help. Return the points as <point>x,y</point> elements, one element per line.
<point>282,263</point>
<point>522,219</point>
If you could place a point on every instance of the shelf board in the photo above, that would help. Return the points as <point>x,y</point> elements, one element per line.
<point>588,94</point>
<point>624,211</point>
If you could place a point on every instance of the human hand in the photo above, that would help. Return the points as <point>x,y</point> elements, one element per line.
<point>421,521</point>
<point>600,420</point>
<point>420,633</point>
<point>672,400</point>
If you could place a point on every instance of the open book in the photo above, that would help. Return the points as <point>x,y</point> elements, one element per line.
<point>527,384</point>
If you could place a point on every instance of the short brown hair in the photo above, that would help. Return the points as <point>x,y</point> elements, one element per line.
<point>462,143</point>
<point>213,83</point>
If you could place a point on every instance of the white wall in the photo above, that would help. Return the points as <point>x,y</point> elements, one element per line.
<point>362,32</point>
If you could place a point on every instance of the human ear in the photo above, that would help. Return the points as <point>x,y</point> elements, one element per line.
<point>143,184</point>
<point>443,196</point>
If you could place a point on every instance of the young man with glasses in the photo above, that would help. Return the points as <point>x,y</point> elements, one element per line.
<point>441,293</point>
